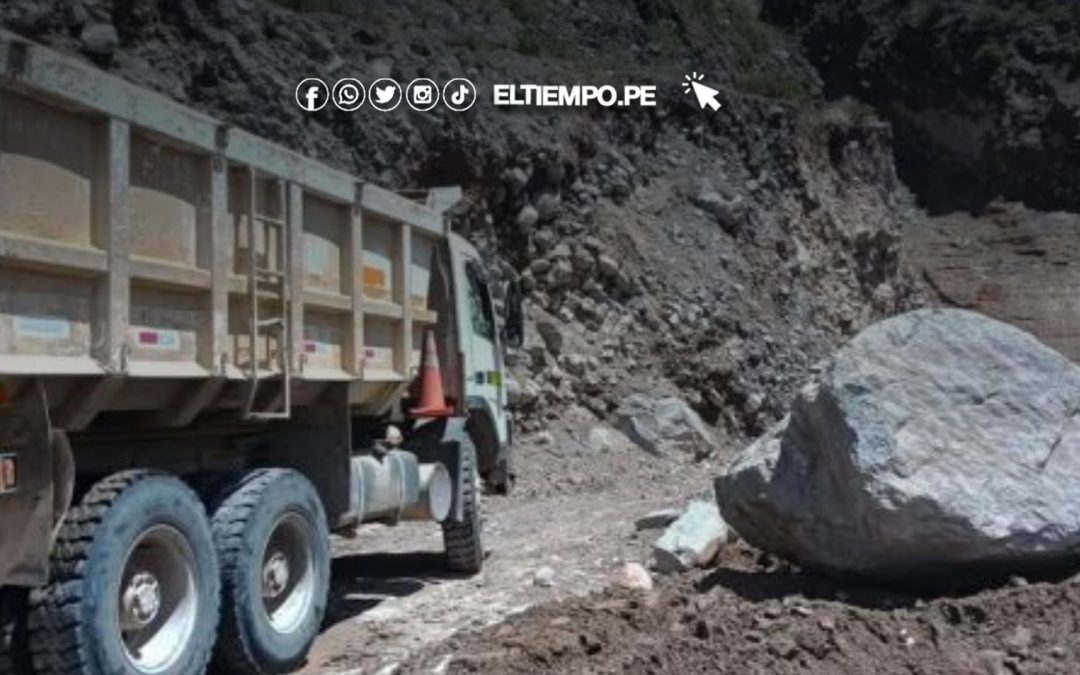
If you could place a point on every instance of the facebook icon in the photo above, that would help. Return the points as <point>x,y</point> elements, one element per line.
<point>312,94</point>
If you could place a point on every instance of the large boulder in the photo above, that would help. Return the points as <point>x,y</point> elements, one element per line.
<point>936,441</point>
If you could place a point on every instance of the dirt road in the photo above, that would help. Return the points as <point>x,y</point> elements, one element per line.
<point>573,513</point>
<point>393,611</point>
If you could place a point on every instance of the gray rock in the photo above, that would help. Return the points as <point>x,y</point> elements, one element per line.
<point>693,540</point>
<point>635,577</point>
<point>551,335</point>
<point>548,206</point>
<point>934,442</point>
<point>601,440</point>
<point>561,274</point>
<point>527,217</point>
<point>100,39</point>
<point>517,179</point>
<point>575,364</point>
<point>663,424</point>
<point>657,519</point>
<point>544,577</point>
<point>544,240</point>
<point>609,267</point>
<point>728,212</point>
<point>379,67</point>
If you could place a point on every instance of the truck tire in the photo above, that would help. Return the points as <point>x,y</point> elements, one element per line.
<point>464,550</point>
<point>14,653</point>
<point>133,585</point>
<point>274,548</point>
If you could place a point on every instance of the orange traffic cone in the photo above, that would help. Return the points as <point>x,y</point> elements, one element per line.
<point>432,400</point>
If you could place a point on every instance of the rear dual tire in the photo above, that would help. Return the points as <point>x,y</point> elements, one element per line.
<point>272,541</point>
<point>133,585</point>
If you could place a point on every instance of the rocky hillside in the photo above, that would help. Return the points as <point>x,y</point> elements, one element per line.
<point>984,100</point>
<point>983,94</point>
<point>719,255</point>
<point>1011,262</point>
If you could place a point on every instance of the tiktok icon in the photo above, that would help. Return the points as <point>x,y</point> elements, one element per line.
<point>459,94</point>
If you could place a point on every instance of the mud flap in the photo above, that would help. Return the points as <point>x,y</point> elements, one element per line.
<point>37,490</point>
<point>440,441</point>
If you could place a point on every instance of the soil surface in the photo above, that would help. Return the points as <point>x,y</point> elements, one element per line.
<point>571,512</point>
<point>744,617</point>
<point>393,609</point>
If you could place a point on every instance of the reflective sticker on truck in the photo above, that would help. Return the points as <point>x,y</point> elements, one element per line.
<point>42,328</point>
<point>375,283</point>
<point>9,473</point>
<point>166,340</point>
<point>315,347</point>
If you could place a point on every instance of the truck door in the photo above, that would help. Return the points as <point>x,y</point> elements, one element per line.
<point>480,341</point>
<point>486,361</point>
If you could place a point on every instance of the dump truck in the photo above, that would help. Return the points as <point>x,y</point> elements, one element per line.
<point>211,352</point>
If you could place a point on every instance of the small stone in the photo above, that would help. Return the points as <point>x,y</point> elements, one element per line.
<point>601,440</point>
<point>654,520</point>
<point>100,39</point>
<point>527,217</point>
<point>544,577</point>
<point>635,577</point>
<point>545,241</point>
<point>391,668</point>
<point>1020,640</point>
<point>691,541</point>
<point>548,206</point>
<point>784,646</point>
<point>609,267</point>
<point>443,665</point>
<point>517,179</point>
<point>551,335</point>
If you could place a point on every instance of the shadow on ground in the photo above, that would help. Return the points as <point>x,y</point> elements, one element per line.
<point>362,582</point>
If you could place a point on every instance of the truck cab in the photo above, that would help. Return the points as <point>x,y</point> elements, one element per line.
<point>484,334</point>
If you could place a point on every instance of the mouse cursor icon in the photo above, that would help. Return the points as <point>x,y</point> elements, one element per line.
<point>706,96</point>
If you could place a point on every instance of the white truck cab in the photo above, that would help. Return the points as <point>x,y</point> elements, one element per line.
<point>484,336</point>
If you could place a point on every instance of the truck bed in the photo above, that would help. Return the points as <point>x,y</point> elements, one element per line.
<point>136,232</point>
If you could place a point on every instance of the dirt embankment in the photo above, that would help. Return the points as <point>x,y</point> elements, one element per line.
<point>750,618</point>
<point>983,94</point>
<point>984,100</point>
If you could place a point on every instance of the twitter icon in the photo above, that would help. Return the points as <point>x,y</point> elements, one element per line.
<point>385,94</point>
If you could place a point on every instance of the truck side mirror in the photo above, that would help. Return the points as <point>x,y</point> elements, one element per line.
<point>514,326</point>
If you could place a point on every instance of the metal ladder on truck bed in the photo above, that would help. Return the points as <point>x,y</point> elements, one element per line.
<point>268,288</point>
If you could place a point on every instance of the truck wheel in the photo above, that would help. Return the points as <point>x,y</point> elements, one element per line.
<point>14,653</point>
<point>274,547</point>
<point>464,551</point>
<point>133,583</point>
